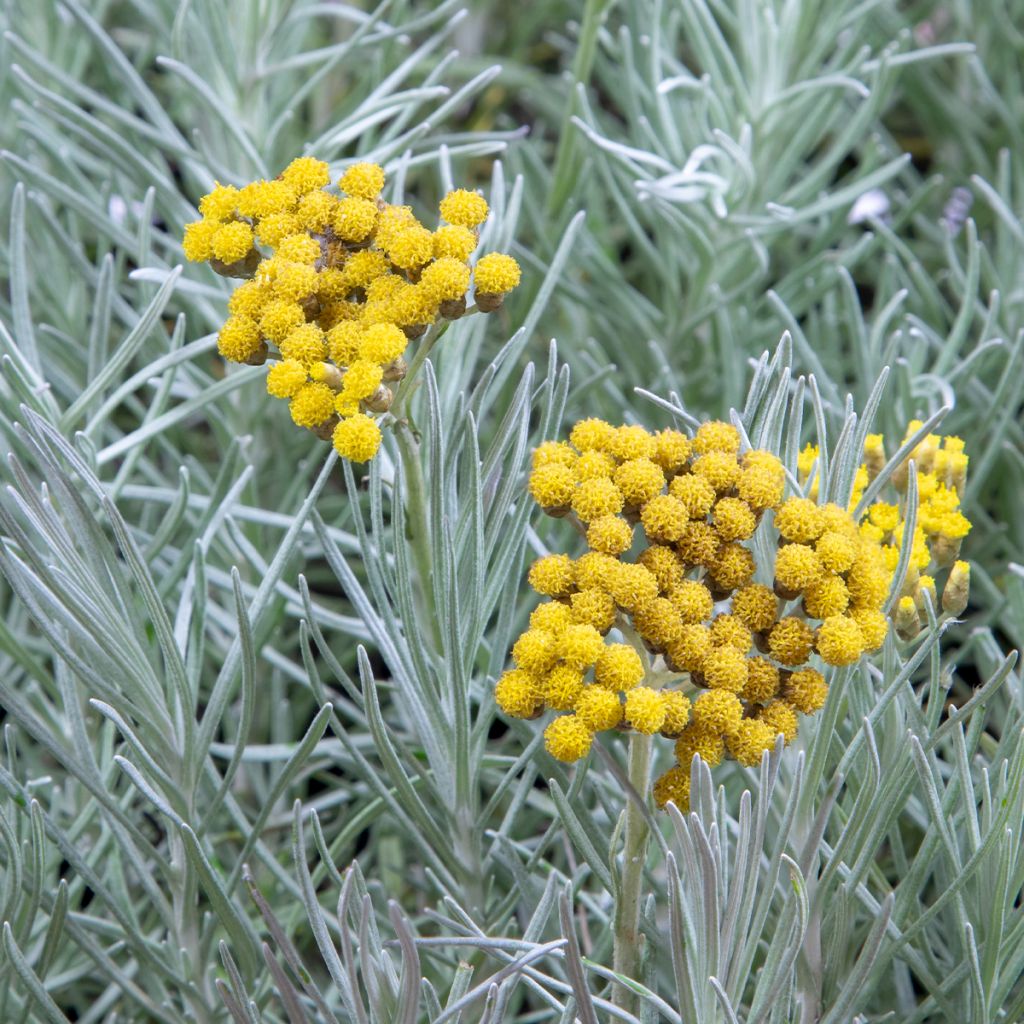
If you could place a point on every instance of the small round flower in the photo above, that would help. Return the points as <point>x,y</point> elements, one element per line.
<point>561,687</point>
<point>593,607</point>
<point>312,404</point>
<point>598,708</point>
<point>790,641</point>
<point>260,199</point>
<point>618,667</point>
<point>672,450</point>
<point>799,520</point>
<point>306,173</point>
<point>580,645</point>
<point>673,787</point>
<point>536,650</point>
<point>275,227</point>
<point>552,575</point>
<point>495,274</point>
<point>354,219</point>
<point>363,180</point>
<point>677,712</point>
<point>295,281</point>
<point>868,583</point>
<point>414,306</point>
<point>717,710</point>
<point>382,343</point>
<point>762,681</point>
<point>781,718</point>
<point>464,207</point>
<point>316,210</point>
<point>232,241</point>
<point>362,378</point>
<point>305,343</point>
<point>592,435</point>
<point>198,240</point>
<point>285,378</point>
<point>720,469</point>
<point>664,563</point>
<point>596,498</point>
<point>610,534</point>
<point>345,342</point>
<point>455,241</point>
<point>885,516</point>
<point>552,486</point>
<point>411,247</point>
<point>331,287</point>
<point>298,248</point>
<point>874,626</point>
<point>692,601</point>
<point>553,452</point>
<point>805,690</point>
<point>733,519</point>
<point>797,567</point>
<point>239,339</point>
<point>688,651</point>
<point>664,518</point>
<point>364,267</point>
<point>592,464</point>
<point>220,202</point>
<point>695,493</point>
<point>645,710</point>
<point>518,694</point>
<point>632,586</point>
<point>249,299</point>
<point>839,640</point>
<point>716,436</point>
<point>596,571</point>
<point>280,318</point>
<point>567,739</point>
<point>749,741</point>
<point>837,519</point>
<point>639,480</point>
<point>357,438</point>
<point>658,622</point>
<point>756,606</point>
<point>631,442</point>
<point>725,668</point>
<point>760,487</point>
<point>705,741</point>
<point>730,631</point>
<point>827,597</point>
<point>732,567</point>
<point>552,616</point>
<point>836,550</point>
<point>446,279</point>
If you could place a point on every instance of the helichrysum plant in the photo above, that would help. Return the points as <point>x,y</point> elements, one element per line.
<point>287,739</point>
<point>713,659</point>
<point>338,284</point>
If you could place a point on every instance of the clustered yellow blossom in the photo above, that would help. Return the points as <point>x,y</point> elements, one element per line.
<point>737,653</point>
<point>339,283</point>
<point>939,530</point>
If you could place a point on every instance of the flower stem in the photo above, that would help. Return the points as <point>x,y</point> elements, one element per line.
<point>417,522</point>
<point>627,939</point>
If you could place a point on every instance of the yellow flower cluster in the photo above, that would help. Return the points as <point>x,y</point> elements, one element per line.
<point>939,530</point>
<point>739,649</point>
<point>339,284</point>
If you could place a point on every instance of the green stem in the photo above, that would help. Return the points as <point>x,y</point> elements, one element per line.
<point>417,525</point>
<point>627,939</point>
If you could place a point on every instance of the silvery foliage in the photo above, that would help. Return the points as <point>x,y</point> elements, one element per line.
<point>251,770</point>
